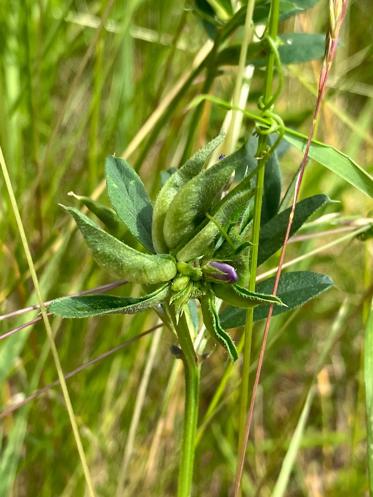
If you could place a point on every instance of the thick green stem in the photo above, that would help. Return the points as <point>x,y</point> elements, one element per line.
<point>261,154</point>
<point>192,378</point>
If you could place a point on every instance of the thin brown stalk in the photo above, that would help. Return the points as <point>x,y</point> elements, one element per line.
<point>38,393</point>
<point>338,10</point>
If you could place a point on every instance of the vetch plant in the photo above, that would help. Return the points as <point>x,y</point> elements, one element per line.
<point>192,245</point>
<point>197,254</point>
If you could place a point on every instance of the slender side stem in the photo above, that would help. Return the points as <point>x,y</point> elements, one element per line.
<point>192,379</point>
<point>338,12</point>
<point>249,323</point>
<point>272,32</point>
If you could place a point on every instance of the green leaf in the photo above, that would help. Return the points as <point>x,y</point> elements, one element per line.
<point>272,189</point>
<point>231,205</point>
<point>99,305</point>
<point>295,289</point>
<point>272,234</point>
<point>296,48</point>
<point>120,259</point>
<point>334,160</point>
<point>368,379</point>
<point>240,297</point>
<point>173,185</point>
<point>213,326</point>
<point>251,163</point>
<point>106,215</point>
<point>288,8</point>
<point>130,200</point>
<point>199,196</point>
<point>207,15</point>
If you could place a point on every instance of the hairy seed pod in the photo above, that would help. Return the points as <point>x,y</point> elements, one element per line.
<point>169,190</point>
<point>199,196</point>
<point>122,260</point>
<point>231,205</point>
<point>240,297</point>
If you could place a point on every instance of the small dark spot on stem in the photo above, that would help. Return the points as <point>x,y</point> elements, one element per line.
<point>176,351</point>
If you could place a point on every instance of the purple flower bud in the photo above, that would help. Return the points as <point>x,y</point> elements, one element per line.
<point>221,271</point>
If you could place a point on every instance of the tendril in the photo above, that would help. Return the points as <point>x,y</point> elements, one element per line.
<point>274,123</point>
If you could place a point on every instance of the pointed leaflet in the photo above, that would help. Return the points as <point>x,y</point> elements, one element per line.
<point>296,48</point>
<point>272,234</point>
<point>272,188</point>
<point>295,289</point>
<point>288,8</point>
<point>240,297</point>
<point>198,196</point>
<point>99,305</point>
<point>130,200</point>
<point>213,326</point>
<point>230,205</point>
<point>207,17</point>
<point>169,190</point>
<point>119,258</point>
<point>106,215</point>
<point>251,163</point>
<point>334,160</point>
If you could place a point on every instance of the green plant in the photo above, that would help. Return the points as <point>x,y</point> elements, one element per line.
<point>192,245</point>
<point>147,112</point>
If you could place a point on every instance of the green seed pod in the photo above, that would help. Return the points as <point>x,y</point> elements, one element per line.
<point>169,190</point>
<point>229,207</point>
<point>213,326</point>
<point>240,297</point>
<point>200,195</point>
<point>122,260</point>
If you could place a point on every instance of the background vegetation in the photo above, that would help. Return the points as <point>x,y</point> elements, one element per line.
<point>80,80</point>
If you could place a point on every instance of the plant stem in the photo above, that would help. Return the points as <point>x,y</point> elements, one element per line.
<point>192,379</point>
<point>262,159</point>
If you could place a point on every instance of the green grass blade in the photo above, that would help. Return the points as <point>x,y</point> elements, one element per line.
<point>289,459</point>
<point>336,161</point>
<point>48,328</point>
<point>368,377</point>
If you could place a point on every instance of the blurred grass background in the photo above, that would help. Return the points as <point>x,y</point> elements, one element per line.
<point>78,80</point>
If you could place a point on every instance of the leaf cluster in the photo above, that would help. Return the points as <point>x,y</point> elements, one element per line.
<point>193,243</point>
